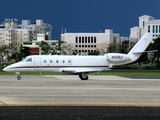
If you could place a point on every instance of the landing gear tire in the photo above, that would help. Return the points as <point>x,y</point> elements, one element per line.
<point>85,77</point>
<point>18,77</point>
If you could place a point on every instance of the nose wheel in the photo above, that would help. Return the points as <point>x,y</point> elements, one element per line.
<point>18,77</point>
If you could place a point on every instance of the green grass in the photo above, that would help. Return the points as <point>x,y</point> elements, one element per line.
<point>123,73</point>
<point>131,73</point>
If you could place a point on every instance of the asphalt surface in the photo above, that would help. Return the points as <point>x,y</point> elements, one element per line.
<point>68,98</point>
<point>79,113</point>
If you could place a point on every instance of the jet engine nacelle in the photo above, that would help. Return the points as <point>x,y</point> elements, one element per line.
<point>117,57</point>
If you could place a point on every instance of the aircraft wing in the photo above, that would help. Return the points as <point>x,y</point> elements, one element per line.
<point>83,70</point>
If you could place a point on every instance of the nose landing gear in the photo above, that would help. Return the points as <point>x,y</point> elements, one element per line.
<point>18,77</point>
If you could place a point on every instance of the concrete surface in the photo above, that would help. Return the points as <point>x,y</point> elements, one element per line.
<point>70,90</point>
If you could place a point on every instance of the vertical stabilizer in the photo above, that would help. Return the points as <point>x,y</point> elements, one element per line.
<point>140,46</point>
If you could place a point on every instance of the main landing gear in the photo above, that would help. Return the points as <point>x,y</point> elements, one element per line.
<point>18,76</point>
<point>83,76</point>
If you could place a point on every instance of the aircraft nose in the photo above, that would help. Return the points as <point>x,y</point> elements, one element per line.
<point>5,69</point>
<point>8,68</point>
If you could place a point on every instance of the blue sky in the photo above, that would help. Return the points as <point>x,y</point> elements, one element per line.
<point>81,15</point>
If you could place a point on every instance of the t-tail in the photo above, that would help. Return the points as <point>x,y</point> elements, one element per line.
<point>140,47</point>
<point>134,54</point>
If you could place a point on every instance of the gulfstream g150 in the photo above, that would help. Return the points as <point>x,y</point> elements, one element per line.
<point>80,65</point>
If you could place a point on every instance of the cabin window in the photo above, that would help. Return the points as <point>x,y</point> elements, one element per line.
<point>44,61</point>
<point>51,61</point>
<point>69,61</point>
<point>29,60</point>
<point>57,61</point>
<point>63,61</point>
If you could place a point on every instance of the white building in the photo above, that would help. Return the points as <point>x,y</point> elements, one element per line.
<point>13,34</point>
<point>146,24</point>
<point>90,42</point>
<point>39,27</point>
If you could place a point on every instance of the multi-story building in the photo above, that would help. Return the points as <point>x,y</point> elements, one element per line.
<point>13,34</point>
<point>37,28</point>
<point>146,24</point>
<point>90,42</point>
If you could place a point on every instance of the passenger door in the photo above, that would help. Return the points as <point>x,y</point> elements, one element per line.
<point>37,63</point>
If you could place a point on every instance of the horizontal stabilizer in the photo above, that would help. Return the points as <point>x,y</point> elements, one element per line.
<point>151,51</point>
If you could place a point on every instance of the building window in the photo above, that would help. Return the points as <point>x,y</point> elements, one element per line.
<point>95,40</point>
<point>82,39</point>
<point>88,45</point>
<point>76,39</point>
<point>82,45</point>
<point>76,45</point>
<point>91,39</point>
<point>148,28</point>
<point>88,39</point>
<point>143,24</point>
<point>156,28</point>
<point>85,39</point>
<point>79,39</point>
<point>159,28</point>
<point>79,45</point>
<point>85,45</point>
<point>153,28</point>
<point>114,39</point>
<point>95,46</point>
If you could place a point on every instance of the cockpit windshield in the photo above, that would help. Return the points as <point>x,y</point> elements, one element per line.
<point>29,60</point>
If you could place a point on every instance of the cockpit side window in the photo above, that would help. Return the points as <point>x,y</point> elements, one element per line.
<point>29,60</point>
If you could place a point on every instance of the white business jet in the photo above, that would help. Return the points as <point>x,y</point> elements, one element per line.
<point>80,65</point>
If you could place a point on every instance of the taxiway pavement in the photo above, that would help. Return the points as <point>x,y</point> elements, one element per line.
<point>70,90</point>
